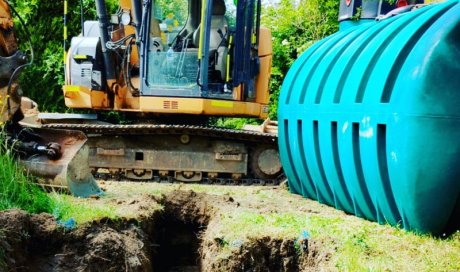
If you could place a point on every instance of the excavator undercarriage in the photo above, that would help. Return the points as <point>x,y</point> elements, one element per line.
<point>180,153</point>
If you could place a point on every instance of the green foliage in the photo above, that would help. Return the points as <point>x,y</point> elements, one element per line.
<point>179,8</point>
<point>295,27</point>
<point>43,81</point>
<point>234,123</point>
<point>16,188</point>
<point>357,16</point>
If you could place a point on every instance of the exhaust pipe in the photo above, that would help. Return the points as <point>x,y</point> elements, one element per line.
<point>103,18</point>
<point>137,12</point>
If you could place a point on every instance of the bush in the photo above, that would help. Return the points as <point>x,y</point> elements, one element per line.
<point>234,123</point>
<point>297,27</point>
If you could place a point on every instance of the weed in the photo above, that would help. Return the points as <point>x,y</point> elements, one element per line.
<point>17,190</point>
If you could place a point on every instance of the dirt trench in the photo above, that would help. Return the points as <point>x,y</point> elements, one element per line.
<point>172,239</point>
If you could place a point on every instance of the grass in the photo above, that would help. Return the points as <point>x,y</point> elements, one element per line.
<point>66,207</point>
<point>365,246</point>
<point>108,207</point>
<point>244,225</point>
<point>16,188</point>
<point>18,191</point>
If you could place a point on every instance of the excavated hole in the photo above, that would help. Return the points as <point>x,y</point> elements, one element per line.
<point>176,235</point>
<point>176,245</point>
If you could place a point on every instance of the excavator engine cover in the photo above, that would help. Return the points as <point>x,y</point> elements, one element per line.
<point>86,64</point>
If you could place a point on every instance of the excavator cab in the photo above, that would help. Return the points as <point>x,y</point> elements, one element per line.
<point>175,60</point>
<point>198,57</point>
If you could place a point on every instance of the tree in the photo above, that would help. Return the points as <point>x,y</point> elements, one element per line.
<point>298,26</point>
<point>179,8</point>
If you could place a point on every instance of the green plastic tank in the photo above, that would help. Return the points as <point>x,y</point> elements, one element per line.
<point>369,120</point>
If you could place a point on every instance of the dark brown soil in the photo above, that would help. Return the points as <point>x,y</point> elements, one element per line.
<point>172,239</point>
<point>36,243</point>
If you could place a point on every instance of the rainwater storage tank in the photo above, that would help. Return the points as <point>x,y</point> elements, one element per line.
<point>370,120</point>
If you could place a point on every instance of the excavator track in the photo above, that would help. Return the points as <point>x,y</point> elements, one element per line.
<point>150,129</point>
<point>119,152</point>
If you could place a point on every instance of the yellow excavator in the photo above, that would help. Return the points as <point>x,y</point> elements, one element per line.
<point>167,70</point>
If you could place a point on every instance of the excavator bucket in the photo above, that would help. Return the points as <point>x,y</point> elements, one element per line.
<point>71,171</point>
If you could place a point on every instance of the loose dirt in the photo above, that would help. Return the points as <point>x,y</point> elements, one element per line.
<point>178,237</point>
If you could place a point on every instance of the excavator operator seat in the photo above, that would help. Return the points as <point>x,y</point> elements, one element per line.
<point>218,24</point>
